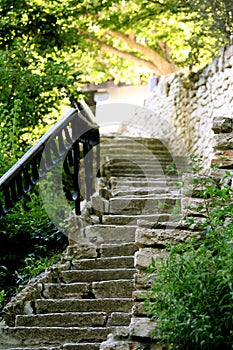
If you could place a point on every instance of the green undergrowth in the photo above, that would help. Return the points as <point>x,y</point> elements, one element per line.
<point>29,244</point>
<point>191,297</point>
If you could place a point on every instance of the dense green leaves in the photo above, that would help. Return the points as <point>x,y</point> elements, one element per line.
<point>28,242</point>
<point>192,295</point>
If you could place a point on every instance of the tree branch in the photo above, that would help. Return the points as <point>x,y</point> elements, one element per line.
<point>163,66</point>
<point>130,57</point>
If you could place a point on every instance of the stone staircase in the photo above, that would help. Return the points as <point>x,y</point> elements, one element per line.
<point>76,304</point>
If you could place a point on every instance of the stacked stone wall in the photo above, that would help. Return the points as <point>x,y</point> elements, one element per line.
<point>193,113</point>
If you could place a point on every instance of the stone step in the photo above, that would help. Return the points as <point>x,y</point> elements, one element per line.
<point>135,206</point>
<point>34,348</point>
<point>80,346</point>
<point>136,160</point>
<point>99,234</point>
<point>64,290</point>
<point>55,336</point>
<point>130,151</point>
<point>132,219</point>
<point>131,141</point>
<point>122,249</point>
<point>140,172</point>
<point>96,275</point>
<point>84,346</point>
<point>74,319</point>
<point>135,164</point>
<point>108,305</point>
<point>104,289</point>
<point>66,319</point>
<point>104,263</point>
<point>117,288</point>
<point>130,181</point>
<point>144,191</point>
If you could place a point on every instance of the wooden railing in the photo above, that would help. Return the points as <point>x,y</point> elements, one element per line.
<point>74,137</point>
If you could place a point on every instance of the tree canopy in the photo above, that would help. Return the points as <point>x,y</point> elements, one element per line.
<point>49,49</point>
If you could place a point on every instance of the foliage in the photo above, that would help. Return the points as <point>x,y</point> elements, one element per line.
<point>35,265</point>
<point>192,295</point>
<point>28,241</point>
<point>2,295</point>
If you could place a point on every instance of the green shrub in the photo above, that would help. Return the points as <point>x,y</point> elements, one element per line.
<point>28,238</point>
<point>192,295</point>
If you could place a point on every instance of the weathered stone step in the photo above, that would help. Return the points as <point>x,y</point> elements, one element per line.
<point>84,346</point>
<point>26,336</point>
<point>80,346</point>
<point>108,305</point>
<point>131,141</point>
<point>104,263</point>
<point>135,164</point>
<point>161,181</point>
<point>123,143</point>
<point>132,219</point>
<point>34,348</point>
<point>64,290</point>
<point>136,161</point>
<point>129,152</point>
<point>117,288</point>
<point>141,172</point>
<point>140,193</point>
<point>134,206</point>
<point>99,234</point>
<point>121,249</point>
<point>96,275</point>
<point>143,191</point>
<point>66,319</point>
<point>74,319</point>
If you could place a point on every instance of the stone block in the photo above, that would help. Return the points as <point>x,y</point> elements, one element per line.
<point>224,141</point>
<point>143,257</point>
<point>160,237</point>
<point>82,250</point>
<point>142,327</point>
<point>99,205</point>
<point>222,125</point>
<point>224,159</point>
<point>100,234</point>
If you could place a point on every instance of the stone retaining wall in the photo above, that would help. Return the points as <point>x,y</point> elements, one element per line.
<point>192,113</point>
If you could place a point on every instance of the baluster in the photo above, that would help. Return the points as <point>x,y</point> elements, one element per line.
<point>68,162</point>
<point>27,179</point>
<point>7,199</point>
<point>48,158</point>
<point>19,184</point>
<point>54,152</point>
<point>88,164</point>
<point>98,174</point>
<point>61,146</point>
<point>35,171</point>
<point>68,138</point>
<point>76,162</point>
<point>14,196</point>
<point>1,211</point>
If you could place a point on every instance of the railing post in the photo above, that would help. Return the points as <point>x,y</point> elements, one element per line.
<point>76,163</point>
<point>88,164</point>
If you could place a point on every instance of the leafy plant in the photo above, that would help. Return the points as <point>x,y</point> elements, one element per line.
<point>192,295</point>
<point>35,265</point>
<point>2,295</point>
<point>29,240</point>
